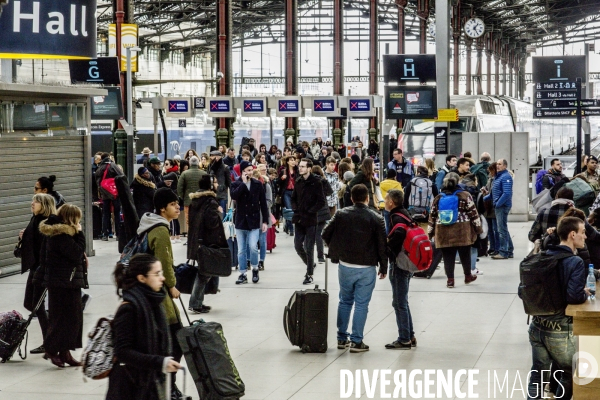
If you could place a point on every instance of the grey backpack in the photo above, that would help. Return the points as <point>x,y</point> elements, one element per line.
<point>421,196</point>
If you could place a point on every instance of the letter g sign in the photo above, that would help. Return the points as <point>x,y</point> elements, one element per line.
<point>93,72</point>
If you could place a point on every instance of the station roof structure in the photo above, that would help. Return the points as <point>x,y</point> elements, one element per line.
<point>191,24</point>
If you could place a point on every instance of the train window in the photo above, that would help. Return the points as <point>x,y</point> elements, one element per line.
<point>487,107</point>
<point>461,125</point>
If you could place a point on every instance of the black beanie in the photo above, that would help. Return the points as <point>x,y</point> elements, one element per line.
<point>162,198</point>
<point>205,182</point>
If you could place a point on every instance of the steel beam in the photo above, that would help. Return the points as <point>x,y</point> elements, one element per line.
<point>468,45</point>
<point>423,14</point>
<point>291,64</point>
<point>373,56</point>
<point>456,37</point>
<point>442,42</point>
<point>224,133</point>
<point>401,40</point>
<point>338,55</point>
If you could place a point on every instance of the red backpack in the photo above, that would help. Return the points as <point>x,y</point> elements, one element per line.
<point>417,245</point>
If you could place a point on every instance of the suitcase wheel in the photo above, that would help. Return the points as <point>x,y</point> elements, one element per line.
<point>305,349</point>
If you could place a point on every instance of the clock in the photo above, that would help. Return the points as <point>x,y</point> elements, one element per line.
<point>474,28</point>
<point>431,29</point>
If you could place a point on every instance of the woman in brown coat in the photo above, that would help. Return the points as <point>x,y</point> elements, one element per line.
<point>456,237</point>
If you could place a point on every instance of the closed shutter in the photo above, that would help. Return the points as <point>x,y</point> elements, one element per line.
<point>23,161</point>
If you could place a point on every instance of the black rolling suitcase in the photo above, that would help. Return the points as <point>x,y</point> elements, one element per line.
<point>209,361</point>
<point>305,318</point>
<point>13,330</point>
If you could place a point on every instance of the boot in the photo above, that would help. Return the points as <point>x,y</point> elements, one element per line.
<point>67,358</point>
<point>55,359</point>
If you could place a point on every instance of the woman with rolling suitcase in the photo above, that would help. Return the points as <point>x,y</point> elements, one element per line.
<point>140,332</point>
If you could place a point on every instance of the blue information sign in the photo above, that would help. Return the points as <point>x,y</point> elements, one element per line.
<point>360,105</point>
<point>324,105</point>
<point>217,106</point>
<point>288,106</point>
<point>257,106</point>
<point>179,106</point>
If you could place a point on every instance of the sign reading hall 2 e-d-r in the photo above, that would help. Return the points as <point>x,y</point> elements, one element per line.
<point>48,29</point>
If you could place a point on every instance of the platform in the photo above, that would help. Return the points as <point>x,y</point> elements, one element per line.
<point>481,326</point>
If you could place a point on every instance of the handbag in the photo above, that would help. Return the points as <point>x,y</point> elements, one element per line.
<point>542,201</point>
<point>277,199</point>
<point>213,260</point>
<point>228,224</point>
<point>185,275</point>
<point>17,250</point>
<point>108,184</point>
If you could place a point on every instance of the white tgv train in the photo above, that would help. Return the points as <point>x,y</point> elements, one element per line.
<point>492,114</point>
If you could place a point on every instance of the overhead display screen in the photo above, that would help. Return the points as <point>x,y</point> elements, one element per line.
<point>405,103</point>
<point>108,107</point>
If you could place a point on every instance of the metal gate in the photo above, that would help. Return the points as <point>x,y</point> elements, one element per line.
<point>23,160</point>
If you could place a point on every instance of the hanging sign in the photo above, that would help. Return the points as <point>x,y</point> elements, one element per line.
<point>220,107</point>
<point>129,38</point>
<point>51,29</point>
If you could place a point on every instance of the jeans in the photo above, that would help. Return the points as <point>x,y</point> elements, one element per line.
<point>356,288</point>
<point>506,245</point>
<point>197,297</point>
<point>400,279</point>
<point>493,237</point>
<point>304,242</point>
<point>247,241</point>
<point>449,256</point>
<point>287,203</point>
<point>551,343</point>
<point>319,240</point>
<point>262,238</point>
<point>223,204</point>
<point>106,214</point>
<point>388,222</point>
<point>474,252</point>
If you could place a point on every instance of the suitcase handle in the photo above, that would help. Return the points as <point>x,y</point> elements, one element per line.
<point>286,312</point>
<point>168,384</point>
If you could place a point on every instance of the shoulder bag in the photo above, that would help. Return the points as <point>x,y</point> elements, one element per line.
<point>17,250</point>
<point>214,260</point>
<point>108,184</point>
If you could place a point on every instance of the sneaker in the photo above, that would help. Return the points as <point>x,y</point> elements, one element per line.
<point>261,265</point>
<point>321,260</point>
<point>110,236</point>
<point>292,233</point>
<point>492,253</point>
<point>450,283</point>
<point>476,272</point>
<point>38,350</point>
<point>511,256</point>
<point>413,341</point>
<point>470,278</point>
<point>499,257</point>
<point>398,345</point>
<point>307,280</point>
<point>86,299</point>
<point>104,239</point>
<point>255,276</point>
<point>343,344</point>
<point>185,244</point>
<point>202,310</point>
<point>242,279</point>
<point>358,347</point>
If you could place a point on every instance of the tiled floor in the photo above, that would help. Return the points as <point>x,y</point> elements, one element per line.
<point>481,326</point>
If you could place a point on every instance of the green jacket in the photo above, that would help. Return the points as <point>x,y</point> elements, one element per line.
<point>159,241</point>
<point>188,183</point>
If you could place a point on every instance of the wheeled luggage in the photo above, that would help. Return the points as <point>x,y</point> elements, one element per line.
<point>207,356</point>
<point>168,385</point>
<point>97,221</point>
<point>271,239</point>
<point>305,318</point>
<point>13,330</point>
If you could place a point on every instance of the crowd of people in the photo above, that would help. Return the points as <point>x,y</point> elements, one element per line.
<point>322,196</point>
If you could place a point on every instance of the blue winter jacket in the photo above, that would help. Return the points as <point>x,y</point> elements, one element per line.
<point>573,275</point>
<point>502,190</point>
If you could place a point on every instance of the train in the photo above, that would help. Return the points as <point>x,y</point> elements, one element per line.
<point>481,113</point>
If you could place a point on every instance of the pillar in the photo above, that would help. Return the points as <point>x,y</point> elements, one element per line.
<point>224,131</point>
<point>456,31</point>
<point>401,45</point>
<point>291,64</point>
<point>373,60</point>
<point>338,64</point>
<point>488,54</point>
<point>468,45</point>
<point>479,69</point>
<point>423,15</point>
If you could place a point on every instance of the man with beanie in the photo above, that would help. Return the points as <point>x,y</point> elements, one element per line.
<point>143,192</point>
<point>251,208</point>
<point>188,183</point>
<point>307,199</point>
<point>154,166</point>
<point>221,172</point>
<point>156,226</point>
<point>356,239</point>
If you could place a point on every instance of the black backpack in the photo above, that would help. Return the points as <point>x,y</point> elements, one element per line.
<point>541,287</point>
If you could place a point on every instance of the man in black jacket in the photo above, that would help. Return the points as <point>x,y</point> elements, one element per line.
<point>356,239</point>
<point>551,337</point>
<point>399,278</point>
<point>307,200</point>
<point>221,172</point>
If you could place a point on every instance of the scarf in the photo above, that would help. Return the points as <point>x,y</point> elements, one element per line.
<point>567,202</point>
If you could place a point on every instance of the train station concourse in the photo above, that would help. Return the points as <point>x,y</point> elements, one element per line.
<point>478,329</point>
<point>231,199</point>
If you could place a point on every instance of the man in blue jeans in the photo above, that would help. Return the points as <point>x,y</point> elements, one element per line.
<point>502,199</point>
<point>251,203</point>
<point>399,273</point>
<point>356,239</point>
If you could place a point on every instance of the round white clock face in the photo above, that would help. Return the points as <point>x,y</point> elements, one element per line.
<point>431,29</point>
<point>474,27</point>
